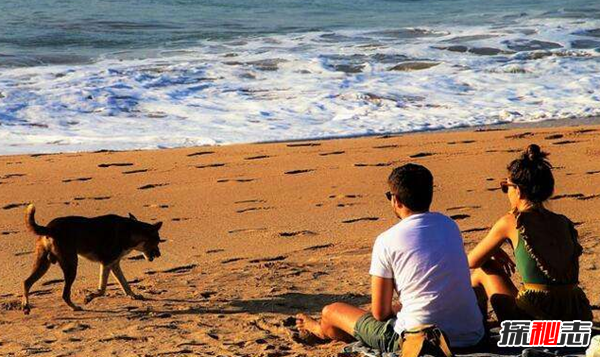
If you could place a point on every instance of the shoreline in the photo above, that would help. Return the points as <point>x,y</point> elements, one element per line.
<point>548,123</point>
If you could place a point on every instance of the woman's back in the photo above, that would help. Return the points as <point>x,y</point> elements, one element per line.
<point>547,251</point>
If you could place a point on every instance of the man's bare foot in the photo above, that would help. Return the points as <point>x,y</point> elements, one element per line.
<point>306,323</point>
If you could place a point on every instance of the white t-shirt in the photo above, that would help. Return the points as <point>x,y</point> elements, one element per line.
<point>424,254</point>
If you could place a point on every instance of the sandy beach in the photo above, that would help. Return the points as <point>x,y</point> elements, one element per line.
<point>256,233</point>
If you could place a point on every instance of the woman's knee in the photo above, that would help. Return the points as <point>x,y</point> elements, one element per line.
<point>477,277</point>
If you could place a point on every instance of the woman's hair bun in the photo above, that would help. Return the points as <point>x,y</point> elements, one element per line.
<point>534,153</point>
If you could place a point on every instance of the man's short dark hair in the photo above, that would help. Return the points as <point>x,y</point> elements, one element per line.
<point>412,185</point>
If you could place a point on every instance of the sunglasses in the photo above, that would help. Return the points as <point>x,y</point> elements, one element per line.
<point>389,195</point>
<point>504,185</point>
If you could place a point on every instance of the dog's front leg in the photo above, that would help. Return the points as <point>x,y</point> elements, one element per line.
<point>118,274</point>
<point>102,281</point>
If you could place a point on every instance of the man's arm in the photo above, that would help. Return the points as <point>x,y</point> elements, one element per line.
<point>382,293</point>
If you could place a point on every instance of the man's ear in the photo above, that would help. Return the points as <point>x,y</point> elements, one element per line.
<point>395,202</point>
<point>158,225</point>
<point>132,217</point>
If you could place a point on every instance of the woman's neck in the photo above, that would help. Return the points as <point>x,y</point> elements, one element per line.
<point>526,205</point>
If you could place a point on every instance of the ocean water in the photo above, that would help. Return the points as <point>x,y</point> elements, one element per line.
<point>137,74</point>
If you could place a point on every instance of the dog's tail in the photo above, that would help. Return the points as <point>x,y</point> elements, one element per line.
<point>30,222</point>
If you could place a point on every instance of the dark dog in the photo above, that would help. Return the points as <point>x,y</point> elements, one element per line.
<point>105,239</point>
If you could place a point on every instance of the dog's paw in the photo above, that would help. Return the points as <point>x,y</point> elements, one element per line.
<point>91,296</point>
<point>76,308</point>
<point>137,297</point>
<point>26,309</point>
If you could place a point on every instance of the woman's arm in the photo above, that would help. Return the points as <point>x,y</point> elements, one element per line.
<point>382,293</point>
<point>491,243</point>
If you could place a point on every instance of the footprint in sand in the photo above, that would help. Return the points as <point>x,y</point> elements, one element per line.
<point>200,153</point>
<point>493,189</point>
<point>251,209</point>
<point>584,131</point>
<point>297,233</point>
<point>378,164</point>
<point>421,154</point>
<point>297,145</point>
<point>98,198</point>
<point>8,176</point>
<point>296,172</point>
<point>242,180</point>
<point>345,196</point>
<point>152,185</point>
<point>564,142</point>
<point>251,201</point>
<point>568,195</point>
<point>461,142</point>
<point>347,204</point>
<point>592,172</point>
<point>246,230</point>
<point>79,179</point>
<point>319,246</point>
<point>258,157</point>
<point>19,254</point>
<point>231,260</point>
<point>180,269</point>
<point>213,251</point>
<point>52,282</point>
<point>271,259</point>
<point>6,233</point>
<point>458,217</point>
<point>13,305</point>
<point>14,205</point>
<point>180,219</point>
<point>156,206</point>
<point>354,220</point>
<point>391,146</point>
<point>209,165</point>
<point>456,208</point>
<point>116,164</point>
<point>524,135</point>
<point>589,197</point>
<point>134,171</point>
<point>331,153</point>
<point>554,137</point>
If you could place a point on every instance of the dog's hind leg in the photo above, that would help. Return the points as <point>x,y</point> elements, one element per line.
<point>69,268</point>
<point>102,281</point>
<point>118,274</point>
<point>40,267</point>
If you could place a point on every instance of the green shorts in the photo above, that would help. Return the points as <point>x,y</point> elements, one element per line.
<point>377,334</point>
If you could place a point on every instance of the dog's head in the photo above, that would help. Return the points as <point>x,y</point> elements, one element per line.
<point>146,238</point>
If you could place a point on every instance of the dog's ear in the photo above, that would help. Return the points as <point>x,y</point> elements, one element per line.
<point>132,217</point>
<point>157,225</point>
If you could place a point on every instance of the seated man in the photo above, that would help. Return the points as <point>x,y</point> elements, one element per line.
<point>422,258</point>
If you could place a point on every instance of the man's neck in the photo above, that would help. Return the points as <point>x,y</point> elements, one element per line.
<point>407,213</point>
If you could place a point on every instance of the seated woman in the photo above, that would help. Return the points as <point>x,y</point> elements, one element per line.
<point>545,248</point>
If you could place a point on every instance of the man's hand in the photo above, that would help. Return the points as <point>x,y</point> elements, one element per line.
<point>396,307</point>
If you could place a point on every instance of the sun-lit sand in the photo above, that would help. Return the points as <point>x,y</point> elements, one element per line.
<point>256,233</point>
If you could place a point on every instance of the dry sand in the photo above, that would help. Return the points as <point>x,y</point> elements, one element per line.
<point>256,233</point>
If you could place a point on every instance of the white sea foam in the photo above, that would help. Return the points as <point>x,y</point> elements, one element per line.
<point>310,85</point>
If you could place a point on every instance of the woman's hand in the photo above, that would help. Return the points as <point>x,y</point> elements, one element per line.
<point>503,261</point>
